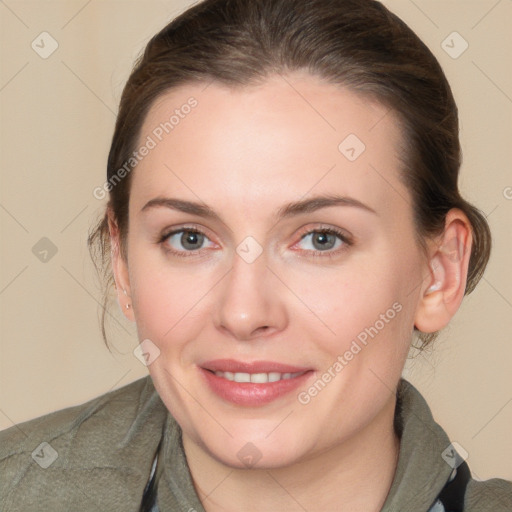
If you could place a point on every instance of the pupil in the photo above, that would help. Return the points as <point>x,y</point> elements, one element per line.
<point>323,239</point>
<point>190,238</point>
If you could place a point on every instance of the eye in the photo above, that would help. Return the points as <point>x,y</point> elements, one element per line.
<point>184,240</point>
<point>328,240</point>
<point>187,241</point>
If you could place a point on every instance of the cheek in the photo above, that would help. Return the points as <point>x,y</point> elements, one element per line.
<point>166,298</point>
<point>368,301</point>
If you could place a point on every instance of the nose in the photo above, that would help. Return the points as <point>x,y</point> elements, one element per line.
<point>250,302</point>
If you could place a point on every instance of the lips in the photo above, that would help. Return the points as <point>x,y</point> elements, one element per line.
<point>252,383</point>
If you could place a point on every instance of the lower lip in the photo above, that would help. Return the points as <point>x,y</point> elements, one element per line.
<point>251,394</point>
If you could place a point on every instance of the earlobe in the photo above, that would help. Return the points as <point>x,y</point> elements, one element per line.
<point>444,287</point>
<point>120,270</point>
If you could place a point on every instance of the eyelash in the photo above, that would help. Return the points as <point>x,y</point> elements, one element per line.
<point>347,242</point>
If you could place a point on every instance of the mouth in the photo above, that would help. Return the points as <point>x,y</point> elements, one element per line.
<point>252,384</point>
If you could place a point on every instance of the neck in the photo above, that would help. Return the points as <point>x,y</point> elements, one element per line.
<point>355,475</point>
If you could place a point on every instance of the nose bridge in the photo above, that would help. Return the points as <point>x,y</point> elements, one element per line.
<point>249,302</point>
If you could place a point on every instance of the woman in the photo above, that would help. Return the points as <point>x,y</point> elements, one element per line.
<point>283,220</point>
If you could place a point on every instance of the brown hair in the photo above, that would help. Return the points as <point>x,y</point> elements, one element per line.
<point>358,44</point>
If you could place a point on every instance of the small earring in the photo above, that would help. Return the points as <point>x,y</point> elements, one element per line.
<point>128,306</point>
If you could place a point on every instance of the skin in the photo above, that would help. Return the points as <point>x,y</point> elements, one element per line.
<point>246,153</point>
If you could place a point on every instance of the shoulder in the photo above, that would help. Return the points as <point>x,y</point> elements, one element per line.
<point>89,417</point>
<point>494,495</point>
<point>102,446</point>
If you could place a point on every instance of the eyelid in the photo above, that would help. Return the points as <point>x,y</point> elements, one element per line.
<point>342,233</point>
<point>166,233</point>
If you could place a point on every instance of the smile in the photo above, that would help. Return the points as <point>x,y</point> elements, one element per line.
<point>252,384</point>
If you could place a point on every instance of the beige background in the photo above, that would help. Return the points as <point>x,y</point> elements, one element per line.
<point>57,120</point>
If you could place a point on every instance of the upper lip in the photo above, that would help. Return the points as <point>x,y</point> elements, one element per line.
<point>231,365</point>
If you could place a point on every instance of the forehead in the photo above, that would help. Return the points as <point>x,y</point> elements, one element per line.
<point>277,141</point>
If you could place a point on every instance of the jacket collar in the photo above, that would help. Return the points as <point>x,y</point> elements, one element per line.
<point>421,471</point>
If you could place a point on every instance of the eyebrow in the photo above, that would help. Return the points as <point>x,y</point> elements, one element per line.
<point>289,210</point>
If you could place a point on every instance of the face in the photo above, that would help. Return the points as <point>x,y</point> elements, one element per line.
<point>271,240</point>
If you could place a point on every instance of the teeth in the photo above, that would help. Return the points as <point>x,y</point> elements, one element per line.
<point>257,378</point>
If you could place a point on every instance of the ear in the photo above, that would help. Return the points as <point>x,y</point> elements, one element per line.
<point>442,292</point>
<point>120,269</point>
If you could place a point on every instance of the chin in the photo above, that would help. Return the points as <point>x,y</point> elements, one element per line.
<point>239,452</point>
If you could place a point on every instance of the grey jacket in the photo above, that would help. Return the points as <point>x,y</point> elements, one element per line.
<point>98,456</point>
